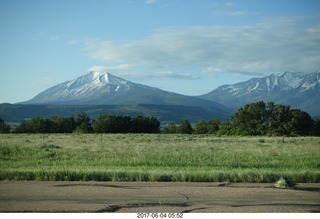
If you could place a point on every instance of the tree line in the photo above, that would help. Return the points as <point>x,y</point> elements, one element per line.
<point>256,118</point>
<point>83,124</point>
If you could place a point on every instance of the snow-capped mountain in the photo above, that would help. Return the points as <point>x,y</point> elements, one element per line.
<point>299,90</point>
<point>89,88</point>
<point>97,88</point>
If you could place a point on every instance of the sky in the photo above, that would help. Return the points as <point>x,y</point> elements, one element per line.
<point>185,46</point>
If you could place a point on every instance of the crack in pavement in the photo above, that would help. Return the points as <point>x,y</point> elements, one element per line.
<point>115,208</point>
<point>277,204</point>
<point>191,210</point>
<point>96,185</point>
<point>183,195</point>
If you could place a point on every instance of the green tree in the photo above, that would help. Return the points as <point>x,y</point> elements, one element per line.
<point>207,127</point>
<point>201,127</point>
<point>112,124</point>
<point>278,119</point>
<point>169,129</point>
<point>227,128</point>
<point>251,119</point>
<point>41,125</point>
<point>273,119</point>
<point>213,126</point>
<point>83,124</point>
<point>185,127</point>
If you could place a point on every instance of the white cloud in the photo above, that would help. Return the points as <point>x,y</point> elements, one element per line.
<point>151,1</point>
<point>232,13</point>
<point>171,74</point>
<point>159,75</point>
<point>110,68</point>
<point>73,42</point>
<point>287,43</point>
<point>230,4</point>
<point>57,36</point>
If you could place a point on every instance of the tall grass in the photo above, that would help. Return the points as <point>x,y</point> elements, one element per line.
<point>139,157</point>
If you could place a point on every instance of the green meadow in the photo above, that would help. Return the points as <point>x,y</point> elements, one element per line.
<point>158,157</point>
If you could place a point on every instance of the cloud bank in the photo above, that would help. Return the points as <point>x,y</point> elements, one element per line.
<point>285,43</point>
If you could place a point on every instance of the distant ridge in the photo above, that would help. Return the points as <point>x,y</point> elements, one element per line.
<point>98,93</point>
<point>297,89</point>
<point>165,113</point>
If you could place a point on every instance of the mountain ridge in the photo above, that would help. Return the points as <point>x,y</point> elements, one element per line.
<point>297,89</point>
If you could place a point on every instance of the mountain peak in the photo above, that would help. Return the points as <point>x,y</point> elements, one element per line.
<point>95,74</point>
<point>101,77</point>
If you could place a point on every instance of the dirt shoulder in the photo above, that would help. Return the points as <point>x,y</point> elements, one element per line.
<point>131,197</point>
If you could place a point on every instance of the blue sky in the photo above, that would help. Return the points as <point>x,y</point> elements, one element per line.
<point>185,46</point>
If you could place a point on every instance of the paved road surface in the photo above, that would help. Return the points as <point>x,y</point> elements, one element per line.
<point>131,197</point>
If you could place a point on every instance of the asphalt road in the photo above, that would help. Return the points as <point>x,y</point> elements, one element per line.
<point>132,197</point>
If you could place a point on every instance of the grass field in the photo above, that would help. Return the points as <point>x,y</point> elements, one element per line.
<point>142,157</point>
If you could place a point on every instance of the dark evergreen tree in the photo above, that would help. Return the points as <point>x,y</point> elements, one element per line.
<point>315,128</point>
<point>142,124</point>
<point>37,125</point>
<point>4,127</point>
<point>213,126</point>
<point>278,119</point>
<point>300,122</point>
<point>22,128</point>
<point>64,125</point>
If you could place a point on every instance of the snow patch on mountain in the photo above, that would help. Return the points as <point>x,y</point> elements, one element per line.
<point>268,84</point>
<point>290,80</point>
<point>86,84</point>
<point>255,87</point>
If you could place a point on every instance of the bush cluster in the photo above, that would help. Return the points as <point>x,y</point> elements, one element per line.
<point>257,118</point>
